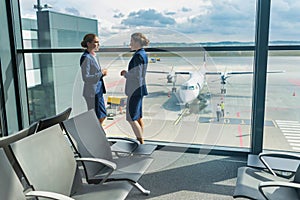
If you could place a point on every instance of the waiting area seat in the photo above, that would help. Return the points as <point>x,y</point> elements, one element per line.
<point>52,120</point>
<point>130,146</point>
<point>7,140</point>
<point>48,163</point>
<point>267,183</point>
<point>12,188</point>
<point>91,142</point>
<point>120,145</point>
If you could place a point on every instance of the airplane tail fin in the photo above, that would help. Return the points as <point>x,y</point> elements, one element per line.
<point>203,69</point>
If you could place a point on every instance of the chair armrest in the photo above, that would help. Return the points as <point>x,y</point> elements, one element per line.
<point>107,163</point>
<point>49,195</point>
<point>112,139</point>
<point>262,156</point>
<point>266,184</point>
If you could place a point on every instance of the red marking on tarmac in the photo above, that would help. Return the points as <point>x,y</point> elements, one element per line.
<point>110,85</point>
<point>295,82</point>
<point>240,135</point>
<point>115,83</point>
<point>114,122</point>
<point>240,131</point>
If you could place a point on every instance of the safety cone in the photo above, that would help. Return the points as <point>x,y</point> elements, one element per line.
<point>294,94</point>
<point>169,94</point>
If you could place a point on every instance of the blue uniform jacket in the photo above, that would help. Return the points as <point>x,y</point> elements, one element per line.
<point>136,74</point>
<point>91,75</point>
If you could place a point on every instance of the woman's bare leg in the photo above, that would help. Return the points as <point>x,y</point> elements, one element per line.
<point>138,131</point>
<point>141,123</point>
<point>101,120</point>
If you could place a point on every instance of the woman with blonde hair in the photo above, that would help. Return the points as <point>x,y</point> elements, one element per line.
<point>135,87</point>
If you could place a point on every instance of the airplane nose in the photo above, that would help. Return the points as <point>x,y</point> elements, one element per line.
<point>183,97</point>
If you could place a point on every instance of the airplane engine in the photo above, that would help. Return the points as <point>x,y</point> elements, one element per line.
<point>170,79</point>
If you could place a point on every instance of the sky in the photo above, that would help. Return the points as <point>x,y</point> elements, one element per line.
<point>179,20</point>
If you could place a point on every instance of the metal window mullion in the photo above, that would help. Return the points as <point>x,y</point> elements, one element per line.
<point>260,71</point>
<point>14,63</point>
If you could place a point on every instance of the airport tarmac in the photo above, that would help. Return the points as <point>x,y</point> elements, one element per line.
<point>166,121</point>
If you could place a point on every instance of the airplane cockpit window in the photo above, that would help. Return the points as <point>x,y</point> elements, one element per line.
<point>184,87</point>
<point>191,87</point>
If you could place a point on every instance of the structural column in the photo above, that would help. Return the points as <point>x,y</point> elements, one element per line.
<point>260,71</point>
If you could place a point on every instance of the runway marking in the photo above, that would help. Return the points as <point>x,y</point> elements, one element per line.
<point>240,135</point>
<point>291,141</point>
<point>180,116</point>
<point>115,83</point>
<point>292,137</point>
<point>291,132</point>
<point>114,122</point>
<point>285,122</point>
<point>232,121</point>
<point>295,144</point>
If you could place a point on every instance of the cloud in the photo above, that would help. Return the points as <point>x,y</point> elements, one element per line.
<point>148,18</point>
<point>202,20</point>
<point>284,22</point>
<point>224,20</point>
<point>72,11</point>
<point>119,15</point>
<point>184,9</point>
<point>170,13</point>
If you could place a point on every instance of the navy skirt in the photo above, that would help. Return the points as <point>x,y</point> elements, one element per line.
<point>134,110</point>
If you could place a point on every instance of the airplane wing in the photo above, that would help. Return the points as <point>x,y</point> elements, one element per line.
<point>158,72</point>
<point>241,72</point>
<point>213,73</point>
<point>163,72</point>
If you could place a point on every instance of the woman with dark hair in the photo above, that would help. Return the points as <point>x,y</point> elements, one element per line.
<point>92,75</point>
<point>135,87</point>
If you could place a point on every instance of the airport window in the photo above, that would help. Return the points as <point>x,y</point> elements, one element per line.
<point>181,33</point>
<point>284,23</point>
<point>54,78</point>
<point>282,124</point>
<point>282,107</point>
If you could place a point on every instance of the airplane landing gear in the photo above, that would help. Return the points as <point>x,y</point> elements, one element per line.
<point>223,91</point>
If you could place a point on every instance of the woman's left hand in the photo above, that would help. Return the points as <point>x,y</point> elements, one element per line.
<point>123,72</point>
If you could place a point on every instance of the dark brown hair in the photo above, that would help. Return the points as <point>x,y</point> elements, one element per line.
<point>87,38</point>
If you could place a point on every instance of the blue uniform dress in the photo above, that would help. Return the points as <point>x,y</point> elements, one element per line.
<point>93,88</point>
<point>135,87</point>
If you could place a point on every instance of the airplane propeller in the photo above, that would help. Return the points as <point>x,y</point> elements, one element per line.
<point>171,77</point>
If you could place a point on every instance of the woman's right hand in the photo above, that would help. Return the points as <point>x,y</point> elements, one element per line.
<point>104,72</point>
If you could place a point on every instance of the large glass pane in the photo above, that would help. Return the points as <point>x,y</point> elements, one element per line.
<point>54,81</point>
<point>62,23</point>
<point>285,24</point>
<point>166,120</point>
<point>7,73</point>
<point>282,102</point>
<point>50,86</point>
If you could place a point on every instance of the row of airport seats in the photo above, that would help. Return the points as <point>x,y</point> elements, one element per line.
<point>39,161</point>
<point>268,176</point>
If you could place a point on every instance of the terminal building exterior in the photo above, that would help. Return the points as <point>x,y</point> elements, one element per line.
<point>51,76</point>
